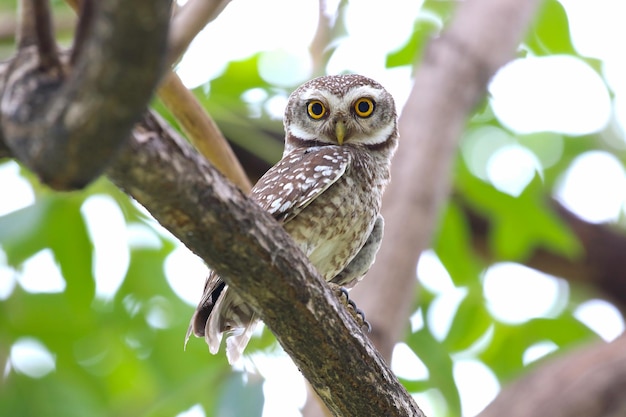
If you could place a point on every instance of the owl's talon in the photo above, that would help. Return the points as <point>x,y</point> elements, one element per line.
<point>357,314</point>
<point>359,317</point>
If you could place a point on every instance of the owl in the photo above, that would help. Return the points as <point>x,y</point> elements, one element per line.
<point>326,191</point>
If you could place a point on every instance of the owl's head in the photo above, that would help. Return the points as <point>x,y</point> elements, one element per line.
<point>340,110</point>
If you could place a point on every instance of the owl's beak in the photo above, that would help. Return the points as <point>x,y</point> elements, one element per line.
<point>340,131</point>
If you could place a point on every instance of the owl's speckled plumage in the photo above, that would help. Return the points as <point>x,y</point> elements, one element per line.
<point>326,191</point>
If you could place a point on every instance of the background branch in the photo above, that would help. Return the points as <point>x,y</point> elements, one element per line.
<point>587,382</point>
<point>452,78</point>
<point>600,266</point>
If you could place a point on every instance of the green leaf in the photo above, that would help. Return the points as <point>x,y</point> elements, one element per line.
<point>518,224</point>
<point>19,231</point>
<point>550,32</point>
<point>439,364</point>
<point>423,29</point>
<point>454,247</point>
<point>470,322</point>
<point>509,342</point>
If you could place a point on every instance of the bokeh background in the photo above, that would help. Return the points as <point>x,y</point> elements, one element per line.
<point>95,296</point>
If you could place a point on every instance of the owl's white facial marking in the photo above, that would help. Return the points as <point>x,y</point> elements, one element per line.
<point>342,110</point>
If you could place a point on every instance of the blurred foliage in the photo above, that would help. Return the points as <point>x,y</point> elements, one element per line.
<point>109,359</point>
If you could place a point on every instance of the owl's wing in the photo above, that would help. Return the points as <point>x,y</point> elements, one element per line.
<point>298,179</point>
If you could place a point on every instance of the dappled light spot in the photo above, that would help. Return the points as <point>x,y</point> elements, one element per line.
<point>217,44</point>
<point>132,305</point>
<point>546,146</point>
<point>477,385</point>
<point>443,310</point>
<point>8,279</point>
<point>255,98</point>
<point>16,186</point>
<point>538,351</point>
<point>140,236</point>
<point>602,317</point>
<point>193,411</point>
<point>280,376</point>
<point>41,274</point>
<point>31,357</point>
<point>478,146</point>
<point>141,342</point>
<point>185,273</point>
<point>558,93</point>
<point>107,230</point>
<point>516,293</point>
<point>432,274</point>
<point>593,187</point>
<point>597,28</point>
<point>275,106</point>
<point>159,313</point>
<point>432,402</point>
<point>511,168</point>
<point>285,68</point>
<point>406,364</point>
<point>95,356</point>
<point>417,320</point>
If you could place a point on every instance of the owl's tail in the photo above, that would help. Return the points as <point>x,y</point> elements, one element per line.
<point>222,311</point>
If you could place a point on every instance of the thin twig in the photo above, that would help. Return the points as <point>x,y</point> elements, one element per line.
<point>35,28</point>
<point>46,44</point>
<point>25,33</point>
<point>84,22</point>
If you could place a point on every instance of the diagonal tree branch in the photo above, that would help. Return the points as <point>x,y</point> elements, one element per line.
<point>256,257</point>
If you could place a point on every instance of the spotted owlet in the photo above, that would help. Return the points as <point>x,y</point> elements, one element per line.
<point>326,191</point>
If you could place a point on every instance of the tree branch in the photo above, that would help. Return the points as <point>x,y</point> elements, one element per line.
<point>202,130</point>
<point>589,382</point>
<point>257,258</point>
<point>66,124</point>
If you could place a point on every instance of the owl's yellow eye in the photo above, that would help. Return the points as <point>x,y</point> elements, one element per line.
<point>316,109</point>
<point>364,107</point>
